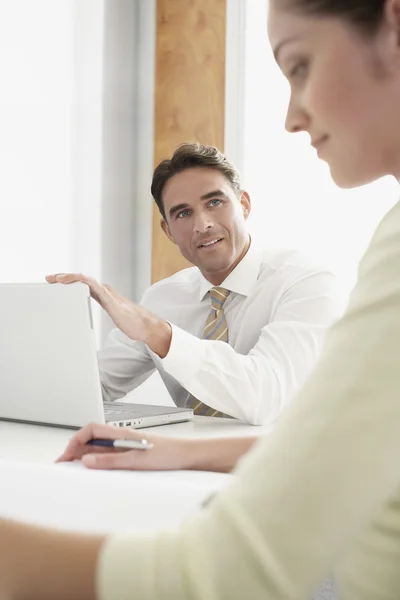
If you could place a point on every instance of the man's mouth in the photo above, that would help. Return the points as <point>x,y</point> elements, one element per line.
<point>210,243</point>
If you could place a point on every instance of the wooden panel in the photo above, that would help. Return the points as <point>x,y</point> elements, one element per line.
<point>189,94</point>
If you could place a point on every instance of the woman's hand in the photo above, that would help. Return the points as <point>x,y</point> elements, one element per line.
<point>167,453</point>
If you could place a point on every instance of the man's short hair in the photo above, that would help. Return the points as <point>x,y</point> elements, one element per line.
<point>189,156</point>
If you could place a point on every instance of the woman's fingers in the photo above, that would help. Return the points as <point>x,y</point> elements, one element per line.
<point>124,460</point>
<point>77,446</point>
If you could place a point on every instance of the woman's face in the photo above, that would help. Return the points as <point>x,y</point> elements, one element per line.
<point>345,91</point>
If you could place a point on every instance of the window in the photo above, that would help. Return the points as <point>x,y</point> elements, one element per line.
<point>36,56</point>
<point>295,203</point>
<point>72,110</point>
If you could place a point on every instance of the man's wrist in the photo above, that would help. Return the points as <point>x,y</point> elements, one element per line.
<point>159,336</point>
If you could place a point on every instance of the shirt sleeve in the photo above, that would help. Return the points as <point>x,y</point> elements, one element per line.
<point>257,387</point>
<point>123,364</point>
<point>320,494</point>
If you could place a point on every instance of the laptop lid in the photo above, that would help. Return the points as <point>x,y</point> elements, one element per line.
<point>49,371</point>
<point>48,362</point>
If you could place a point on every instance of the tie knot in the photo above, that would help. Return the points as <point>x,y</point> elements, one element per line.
<point>218,297</point>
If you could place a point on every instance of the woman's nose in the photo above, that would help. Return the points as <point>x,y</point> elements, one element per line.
<point>296,117</point>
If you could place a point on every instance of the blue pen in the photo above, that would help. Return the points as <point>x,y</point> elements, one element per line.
<point>123,444</point>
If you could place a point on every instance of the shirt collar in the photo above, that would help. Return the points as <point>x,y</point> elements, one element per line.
<point>244,275</point>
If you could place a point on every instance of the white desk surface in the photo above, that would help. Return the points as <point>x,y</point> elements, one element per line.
<point>68,496</point>
<point>41,444</point>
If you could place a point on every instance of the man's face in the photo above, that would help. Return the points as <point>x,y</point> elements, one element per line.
<point>206,220</point>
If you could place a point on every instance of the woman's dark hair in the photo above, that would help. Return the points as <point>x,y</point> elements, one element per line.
<point>189,156</point>
<point>365,14</point>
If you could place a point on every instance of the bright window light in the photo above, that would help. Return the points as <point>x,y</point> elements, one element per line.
<point>36,59</point>
<point>295,203</point>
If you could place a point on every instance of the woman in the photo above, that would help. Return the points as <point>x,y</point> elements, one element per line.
<point>322,492</point>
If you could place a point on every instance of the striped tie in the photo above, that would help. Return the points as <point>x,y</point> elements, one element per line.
<point>215,329</point>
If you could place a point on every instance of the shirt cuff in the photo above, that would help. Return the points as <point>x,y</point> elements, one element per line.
<point>139,567</point>
<point>185,356</point>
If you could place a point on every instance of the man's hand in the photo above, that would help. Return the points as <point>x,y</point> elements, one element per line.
<point>166,454</point>
<point>132,319</point>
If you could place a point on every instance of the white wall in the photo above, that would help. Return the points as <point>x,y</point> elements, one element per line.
<point>76,144</point>
<point>84,202</point>
<point>114,147</point>
<point>114,144</point>
<point>36,67</point>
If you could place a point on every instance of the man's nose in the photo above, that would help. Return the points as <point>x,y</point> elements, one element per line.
<point>202,223</point>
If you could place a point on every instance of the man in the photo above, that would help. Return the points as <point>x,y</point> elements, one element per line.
<point>271,307</point>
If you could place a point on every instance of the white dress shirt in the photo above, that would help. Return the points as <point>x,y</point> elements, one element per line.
<point>277,313</point>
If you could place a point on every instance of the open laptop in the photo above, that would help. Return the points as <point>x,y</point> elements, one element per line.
<point>48,362</point>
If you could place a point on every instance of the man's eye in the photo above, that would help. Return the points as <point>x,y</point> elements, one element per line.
<point>182,213</point>
<point>215,202</point>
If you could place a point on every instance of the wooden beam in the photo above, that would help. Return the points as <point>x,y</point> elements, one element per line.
<point>189,94</point>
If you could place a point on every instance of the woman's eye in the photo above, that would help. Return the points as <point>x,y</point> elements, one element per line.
<point>299,70</point>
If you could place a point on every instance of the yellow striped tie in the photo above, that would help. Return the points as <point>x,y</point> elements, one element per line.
<point>215,329</point>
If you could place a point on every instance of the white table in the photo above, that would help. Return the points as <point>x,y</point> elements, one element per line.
<point>35,489</point>
<point>41,444</point>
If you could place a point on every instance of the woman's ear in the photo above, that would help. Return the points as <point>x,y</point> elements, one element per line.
<point>166,230</point>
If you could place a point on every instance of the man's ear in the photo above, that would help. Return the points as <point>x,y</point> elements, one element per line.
<point>166,230</point>
<point>246,204</point>
<point>392,11</point>
<point>389,39</point>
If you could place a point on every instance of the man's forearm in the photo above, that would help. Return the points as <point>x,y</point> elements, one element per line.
<point>159,335</point>
<point>44,564</point>
<point>221,454</point>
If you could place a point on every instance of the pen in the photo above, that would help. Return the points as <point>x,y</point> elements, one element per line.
<point>124,444</point>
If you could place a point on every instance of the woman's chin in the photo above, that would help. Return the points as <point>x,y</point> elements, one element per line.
<point>347,178</point>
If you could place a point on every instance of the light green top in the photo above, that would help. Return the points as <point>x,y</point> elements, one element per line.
<point>313,497</point>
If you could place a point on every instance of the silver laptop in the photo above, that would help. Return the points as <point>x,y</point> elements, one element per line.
<point>48,362</point>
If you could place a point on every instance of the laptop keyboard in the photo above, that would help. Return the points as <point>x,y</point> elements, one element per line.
<point>119,409</point>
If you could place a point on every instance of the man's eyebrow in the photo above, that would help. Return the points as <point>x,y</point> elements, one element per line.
<point>212,194</point>
<point>177,208</point>
<point>279,47</point>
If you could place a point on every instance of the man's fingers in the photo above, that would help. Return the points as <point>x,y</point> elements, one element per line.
<point>68,278</point>
<point>51,278</point>
<point>99,292</point>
